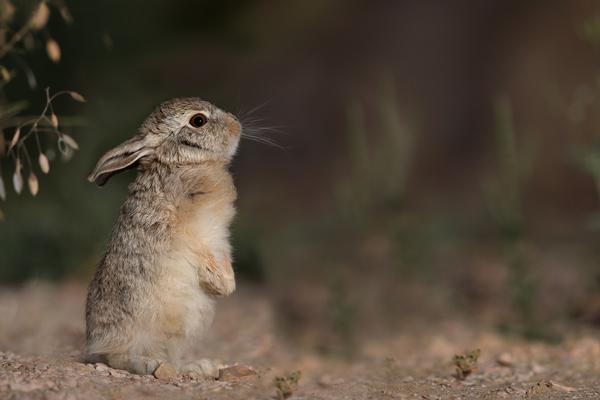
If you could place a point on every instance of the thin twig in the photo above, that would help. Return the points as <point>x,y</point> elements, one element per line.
<point>15,39</point>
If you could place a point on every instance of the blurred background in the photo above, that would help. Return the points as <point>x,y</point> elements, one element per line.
<point>435,158</point>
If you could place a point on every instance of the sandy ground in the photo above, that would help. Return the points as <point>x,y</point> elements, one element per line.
<point>41,334</point>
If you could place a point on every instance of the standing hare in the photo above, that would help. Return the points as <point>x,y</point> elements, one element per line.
<point>169,255</point>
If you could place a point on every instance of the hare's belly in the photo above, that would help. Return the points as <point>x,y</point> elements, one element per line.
<point>183,310</point>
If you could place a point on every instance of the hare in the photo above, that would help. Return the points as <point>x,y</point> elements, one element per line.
<point>169,256</point>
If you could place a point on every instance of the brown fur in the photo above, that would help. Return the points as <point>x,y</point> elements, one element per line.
<point>168,257</point>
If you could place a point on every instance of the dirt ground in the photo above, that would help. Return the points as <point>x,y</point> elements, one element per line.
<point>42,328</point>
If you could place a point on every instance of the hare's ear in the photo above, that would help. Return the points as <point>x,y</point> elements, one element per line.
<point>124,156</point>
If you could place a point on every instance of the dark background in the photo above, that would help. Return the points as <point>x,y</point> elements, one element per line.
<point>438,157</point>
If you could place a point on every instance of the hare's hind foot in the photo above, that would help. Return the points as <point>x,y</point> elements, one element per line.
<point>142,365</point>
<point>135,364</point>
<point>203,368</point>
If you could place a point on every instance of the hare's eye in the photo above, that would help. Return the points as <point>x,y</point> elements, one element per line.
<point>198,120</point>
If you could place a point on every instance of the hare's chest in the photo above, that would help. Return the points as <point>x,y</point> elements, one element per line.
<point>205,224</point>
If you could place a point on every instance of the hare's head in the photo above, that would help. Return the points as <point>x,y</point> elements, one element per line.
<point>179,131</point>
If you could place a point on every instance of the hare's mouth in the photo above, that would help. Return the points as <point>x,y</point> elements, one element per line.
<point>191,144</point>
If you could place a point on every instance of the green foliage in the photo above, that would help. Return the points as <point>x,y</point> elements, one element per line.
<point>523,294</point>
<point>380,157</point>
<point>504,199</point>
<point>343,317</point>
<point>589,31</point>
<point>503,194</point>
<point>588,159</point>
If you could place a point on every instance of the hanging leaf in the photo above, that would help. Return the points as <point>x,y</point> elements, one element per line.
<point>1,215</point>
<point>77,97</point>
<point>2,189</point>
<point>18,181</point>
<point>53,50</point>
<point>4,73</point>
<point>15,138</point>
<point>69,141</point>
<point>7,11</point>
<point>62,147</point>
<point>54,120</point>
<point>43,162</point>
<point>39,18</point>
<point>32,181</point>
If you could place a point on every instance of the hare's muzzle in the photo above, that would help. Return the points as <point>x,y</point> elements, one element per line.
<point>234,128</point>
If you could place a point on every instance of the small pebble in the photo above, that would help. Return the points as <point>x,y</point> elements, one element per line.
<point>505,360</point>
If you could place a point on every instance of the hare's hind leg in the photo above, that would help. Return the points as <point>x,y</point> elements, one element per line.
<point>136,364</point>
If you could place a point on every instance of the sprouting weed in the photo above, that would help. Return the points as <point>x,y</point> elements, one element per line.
<point>286,385</point>
<point>466,364</point>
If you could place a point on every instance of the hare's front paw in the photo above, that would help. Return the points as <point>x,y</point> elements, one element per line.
<point>203,368</point>
<point>228,286</point>
<point>219,285</point>
<point>217,277</point>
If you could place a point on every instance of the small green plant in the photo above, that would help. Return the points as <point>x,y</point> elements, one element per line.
<point>286,385</point>
<point>504,200</point>
<point>503,195</point>
<point>343,316</point>
<point>466,364</point>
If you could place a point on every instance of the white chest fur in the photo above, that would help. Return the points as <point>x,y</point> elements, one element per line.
<point>185,309</point>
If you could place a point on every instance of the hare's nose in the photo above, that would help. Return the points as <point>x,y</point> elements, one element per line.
<point>234,117</point>
<point>233,125</point>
